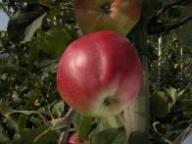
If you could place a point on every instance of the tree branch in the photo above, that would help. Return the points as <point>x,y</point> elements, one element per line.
<point>162,28</point>
<point>167,7</point>
<point>157,26</point>
<point>180,23</point>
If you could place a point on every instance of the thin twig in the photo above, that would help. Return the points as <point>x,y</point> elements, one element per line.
<point>67,119</point>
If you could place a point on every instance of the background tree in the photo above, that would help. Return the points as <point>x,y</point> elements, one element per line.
<point>31,110</point>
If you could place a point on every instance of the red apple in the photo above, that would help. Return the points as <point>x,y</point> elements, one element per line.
<point>74,139</point>
<point>117,15</point>
<point>99,74</point>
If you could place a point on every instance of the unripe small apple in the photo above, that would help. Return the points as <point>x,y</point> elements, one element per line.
<point>74,139</point>
<point>99,74</point>
<point>117,15</point>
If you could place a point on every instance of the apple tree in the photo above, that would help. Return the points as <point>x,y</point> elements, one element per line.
<point>40,31</point>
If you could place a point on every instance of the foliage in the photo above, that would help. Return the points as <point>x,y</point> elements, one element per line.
<point>31,110</point>
<point>170,75</point>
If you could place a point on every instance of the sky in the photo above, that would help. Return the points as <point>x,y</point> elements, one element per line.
<point>3,21</point>
<point>188,139</point>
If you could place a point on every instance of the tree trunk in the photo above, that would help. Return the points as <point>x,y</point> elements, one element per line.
<point>137,114</point>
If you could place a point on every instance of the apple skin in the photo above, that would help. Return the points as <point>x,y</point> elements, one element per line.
<point>99,74</point>
<point>74,139</point>
<point>121,16</point>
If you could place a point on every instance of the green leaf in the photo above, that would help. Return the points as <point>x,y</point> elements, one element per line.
<point>54,41</point>
<point>58,124</point>
<point>54,12</point>
<point>102,125</point>
<point>160,104</point>
<point>3,137</point>
<point>82,125</point>
<point>41,135</point>
<point>22,121</point>
<point>174,93</point>
<point>58,109</point>
<point>109,136</point>
<point>5,110</point>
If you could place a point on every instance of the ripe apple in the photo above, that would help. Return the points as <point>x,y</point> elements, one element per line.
<point>74,139</point>
<point>99,74</point>
<point>117,15</point>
